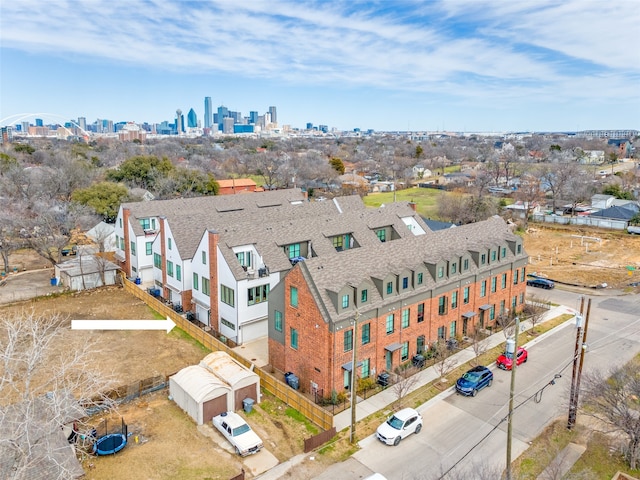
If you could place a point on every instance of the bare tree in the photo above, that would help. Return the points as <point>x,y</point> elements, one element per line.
<point>534,311</point>
<point>45,383</point>
<point>613,400</point>
<point>444,362</point>
<point>480,343</point>
<point>406,380</point>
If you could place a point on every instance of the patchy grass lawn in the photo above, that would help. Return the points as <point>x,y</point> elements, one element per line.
<point>426,199</point>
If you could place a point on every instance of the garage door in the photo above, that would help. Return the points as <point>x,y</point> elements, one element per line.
<point>202,314</point>
<point>245,392</point>
<point>214,407</point>
<point>254,330</point>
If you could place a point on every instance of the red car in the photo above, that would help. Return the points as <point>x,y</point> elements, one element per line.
<point>504,361</point>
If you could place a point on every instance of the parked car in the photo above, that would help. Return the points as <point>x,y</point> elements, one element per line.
<point>244,440</point>
<point>475,379</point>
<point>505,362</point>
<point>399,425</point>
<point>541,283</point>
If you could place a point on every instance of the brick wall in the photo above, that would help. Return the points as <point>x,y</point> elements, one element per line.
<point>213,278</point>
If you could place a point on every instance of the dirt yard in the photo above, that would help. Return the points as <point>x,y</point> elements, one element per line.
<point>586,257</point>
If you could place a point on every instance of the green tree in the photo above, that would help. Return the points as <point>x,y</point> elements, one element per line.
<point>104,198</point>
<point>24,148</point>
<point>7,162</point>
<point>187,182</point>
<point>555,148</point>
<point>337,164</point>
<point>615,190</point>
<point>143,171</point>
<point>419,151</point>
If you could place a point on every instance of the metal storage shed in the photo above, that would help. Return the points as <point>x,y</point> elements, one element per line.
<point>200,393</point>
<point>243,382</point>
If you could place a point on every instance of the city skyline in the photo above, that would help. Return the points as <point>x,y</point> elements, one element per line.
<point>462,65</point>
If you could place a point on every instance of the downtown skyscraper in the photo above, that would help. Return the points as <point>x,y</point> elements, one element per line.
<point>208,112</point>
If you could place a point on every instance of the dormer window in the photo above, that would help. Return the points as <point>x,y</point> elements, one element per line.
<point>483,259</point>
<point>519,249</point>
<point>244,258</point>
<point>504,252</point>
<point>453,267</point>
<point>345,301</point>
<point>494,255</point>
<point>440,272</point>
<point>343,242</point>
<point>389,288</point>
<point>465,265</point>
<point>382,235</point>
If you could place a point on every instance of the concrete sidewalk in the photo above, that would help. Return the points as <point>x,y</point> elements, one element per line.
<point>382,400</point>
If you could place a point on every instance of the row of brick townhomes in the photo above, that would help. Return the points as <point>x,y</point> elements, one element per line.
<point>273,264</point>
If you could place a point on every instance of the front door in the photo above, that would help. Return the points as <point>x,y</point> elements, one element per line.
<point>347,379</point>
<point>465,320</point>
<point>420,344</point>
<point>389,359</point>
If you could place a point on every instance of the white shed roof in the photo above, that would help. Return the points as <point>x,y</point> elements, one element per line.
<point>229,370</point>
<point>199,382</point>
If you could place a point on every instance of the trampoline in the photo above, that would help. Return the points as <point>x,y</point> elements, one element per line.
<point>109,444</point>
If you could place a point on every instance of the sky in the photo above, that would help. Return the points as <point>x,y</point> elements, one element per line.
<point>430,65</point>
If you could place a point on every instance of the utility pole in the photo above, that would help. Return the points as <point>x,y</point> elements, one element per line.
<point>581,347</point>
<point>514,361</point>
<point>352,433</point>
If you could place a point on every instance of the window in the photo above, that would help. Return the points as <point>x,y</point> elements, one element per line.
<point>294,338</point>
<point>345,301</point>
<point>452,329</point>
<point>144,223</point>
<point>244,258</point>
<point>121,243</point>
<point>514,302</point>
<point>366,370</point>
<point>363,296</point>
<point>294,250</point>
<point>293,301</point>
<point>483,288</point>
<point>515,277</point>
<point>521,298</point>
<point>120,222</point>
<point>492,312</point>
<point>133,248</point>
<point>405,318</point>
<point>169,243</point>
<point>504,281</point>
<point>277,323</point>
<point>404,353</point>
<point>440,272</point>
<point>366,333</point>
<point>420,275</point>
<point>227,295</point>
<point>405,283</point>
<point>117,241</point>
<point>441,333</point>
<point>205,286</point>
<point>170,268</point>
<point>453,267</point>
<point>348,340</point>
<point>178,273</point>
<point>153,224</point>
<point>465,265</point>
<point>442,305</point>
<point>465,295</point>
<point>504,252</point>
<point>382,235</point>
<point>493,284</point>
<point>204,257</point>
<point>227,323</point>
<point>389,287</point>
<point>519,249</point>
<point>483,259</point>
<point>338,243</point>
<point>195,281</point>
<point>522,275</point>
<point>494,255</point>
<point>390,323</point>
<point>420,312</point>
<point>157,260</point>
<point>148,248</point>
<point>258,294</point>
<point>454,300</point>
<point>502,309</point>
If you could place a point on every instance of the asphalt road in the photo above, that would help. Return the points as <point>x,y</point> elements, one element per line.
<point>470,433</point>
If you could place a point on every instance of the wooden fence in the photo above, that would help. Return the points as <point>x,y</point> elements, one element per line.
<point>319,439</point>
<point>271,384</point>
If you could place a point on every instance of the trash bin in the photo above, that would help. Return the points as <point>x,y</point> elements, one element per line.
<point>54,281</point>
<point>138,281</point>
<point>247,404</point>
<point>383,379</point>
<point>418,361</point>
<point>292,380</point>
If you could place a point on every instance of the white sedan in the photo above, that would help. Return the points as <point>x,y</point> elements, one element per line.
<point>238,432</point>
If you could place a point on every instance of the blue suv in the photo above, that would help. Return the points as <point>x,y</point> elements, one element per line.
<point>475,379</point>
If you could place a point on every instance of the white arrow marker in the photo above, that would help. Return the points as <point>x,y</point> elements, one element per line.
<point>123,324</point>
